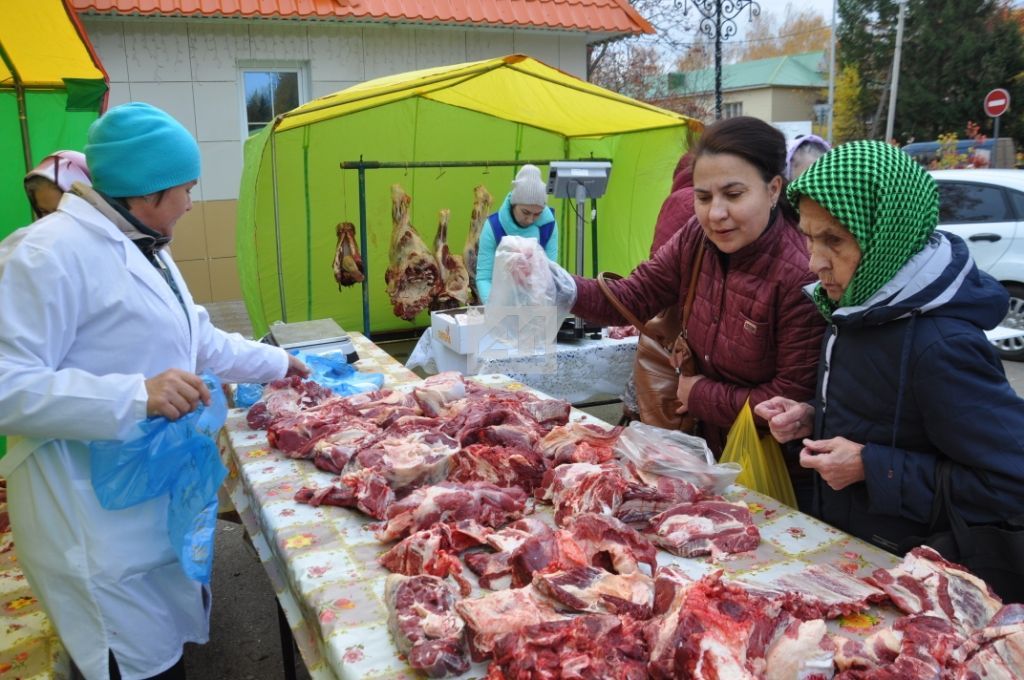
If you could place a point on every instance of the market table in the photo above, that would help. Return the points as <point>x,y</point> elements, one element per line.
<point>29,646</point>
<point>323,561</point>
<point>586,370</point>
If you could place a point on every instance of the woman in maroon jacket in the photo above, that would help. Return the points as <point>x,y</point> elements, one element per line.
<point>753,332</point>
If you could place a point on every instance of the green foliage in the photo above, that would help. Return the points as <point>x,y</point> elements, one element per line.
<point>954,52</point>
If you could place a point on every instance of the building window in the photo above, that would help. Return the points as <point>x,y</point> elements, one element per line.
<point>268,92</point>
<point>732,109</point>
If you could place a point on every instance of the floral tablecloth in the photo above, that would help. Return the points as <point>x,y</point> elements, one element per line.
<point>584,370</point>
<point>29,647</point>
<point>322,561</point>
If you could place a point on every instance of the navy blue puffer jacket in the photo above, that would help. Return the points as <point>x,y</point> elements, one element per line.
<point>911,375</point>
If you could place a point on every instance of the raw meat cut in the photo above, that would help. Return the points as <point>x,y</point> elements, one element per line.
<point>424,624</point>
<point>592,647</point>
<point>348,263</point>
<point>481,211</point>
<point>494,570</point>
<point>589,589</point>
<point>435,551</point>
<point>580,443</point>
<point>642,500</point>
<point>823,591</point>
<point>557,551</point>
<point>500,465</point>
<point>365,490</point>
<point>333,451</point>
<point>705,528</point>
<point>455,278</point>
<point>284,397</point>
<point>583,487</point>
<point>802,646</point>
<point>408,460</point>
<point>413,277</point>
<point>435,393</point>
<point>996,652</point>
<point>449,502</point>
<point>505,611</point>
<point>712,629</point>
<point>612,545</point>
<point>926,583</point>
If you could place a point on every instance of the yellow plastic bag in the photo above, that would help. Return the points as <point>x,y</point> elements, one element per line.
<point>764,469</point>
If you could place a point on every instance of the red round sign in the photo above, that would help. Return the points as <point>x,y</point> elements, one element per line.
<point>997,102</point>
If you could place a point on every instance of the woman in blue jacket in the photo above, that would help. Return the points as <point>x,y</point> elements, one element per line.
<point>907,380</point>
<point>524,213</point>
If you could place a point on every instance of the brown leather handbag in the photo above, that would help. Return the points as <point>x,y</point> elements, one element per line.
<point>662,354</point>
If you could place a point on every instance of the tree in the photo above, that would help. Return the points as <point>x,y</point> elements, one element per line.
<point>954,51</point>
<point>634,71</point>
<point>848,119</point>
<point>802,31</point>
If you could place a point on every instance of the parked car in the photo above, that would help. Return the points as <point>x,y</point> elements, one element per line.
<point>986,209</point>
<point>974,153</point>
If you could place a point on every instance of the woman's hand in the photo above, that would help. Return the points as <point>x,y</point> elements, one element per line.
<point>296,367</point>
<point>837,460</point>
<point>686,383</point>
<point>175,393</point>
<point>787,419</point>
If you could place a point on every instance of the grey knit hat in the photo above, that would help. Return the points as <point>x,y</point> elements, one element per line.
<point>528,188</point>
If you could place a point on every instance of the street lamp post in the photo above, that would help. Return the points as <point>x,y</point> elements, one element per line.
<point>717,23</point>
<point>891,117</point>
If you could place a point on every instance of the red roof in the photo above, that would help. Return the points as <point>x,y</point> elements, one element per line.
<point>598,16</point>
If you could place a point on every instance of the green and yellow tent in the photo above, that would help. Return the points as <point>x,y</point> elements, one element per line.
<point>52,88</point>
<point>294,192</point>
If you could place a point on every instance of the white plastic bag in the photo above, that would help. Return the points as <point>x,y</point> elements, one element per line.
<point>523,306</point>
<point>671,453</point>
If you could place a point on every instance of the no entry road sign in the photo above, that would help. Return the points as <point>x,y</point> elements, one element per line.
<point>997,102</point>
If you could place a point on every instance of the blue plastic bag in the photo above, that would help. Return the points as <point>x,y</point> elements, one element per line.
<point>247,394</point>
<point>333,371</point>
<point>179,459</point>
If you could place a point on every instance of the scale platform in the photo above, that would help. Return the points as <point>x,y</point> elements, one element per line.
<point>318,336</point>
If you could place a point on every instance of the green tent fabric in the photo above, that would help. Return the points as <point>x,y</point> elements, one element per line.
<point>51,87</point>
<point>294,193</point>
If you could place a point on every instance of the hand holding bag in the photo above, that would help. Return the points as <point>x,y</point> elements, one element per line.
<point>662,354</point>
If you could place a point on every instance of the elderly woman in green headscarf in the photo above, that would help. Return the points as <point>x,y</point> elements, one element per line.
<point>907,380</point>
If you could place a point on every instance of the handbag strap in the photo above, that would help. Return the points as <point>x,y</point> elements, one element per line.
<point>604,277</point>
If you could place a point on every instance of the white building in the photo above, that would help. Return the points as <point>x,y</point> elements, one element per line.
<point>225,67</point>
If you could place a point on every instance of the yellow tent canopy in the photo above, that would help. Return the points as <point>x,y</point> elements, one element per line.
<point>504,110</point>
<point>51,88</point>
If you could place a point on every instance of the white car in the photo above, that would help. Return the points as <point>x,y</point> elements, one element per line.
<point>986,208</point>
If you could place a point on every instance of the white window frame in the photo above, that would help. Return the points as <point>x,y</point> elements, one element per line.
<point>300,68</point>
<point>736,106</point>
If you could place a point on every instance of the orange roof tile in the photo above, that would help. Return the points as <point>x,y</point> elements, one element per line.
<point>599,16</point>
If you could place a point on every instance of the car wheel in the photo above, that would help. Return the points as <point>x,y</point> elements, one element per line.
<point>1013,348</point>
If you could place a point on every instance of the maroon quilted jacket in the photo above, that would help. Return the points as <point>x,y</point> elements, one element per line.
<point>677,209</point>
<point>752,330</point>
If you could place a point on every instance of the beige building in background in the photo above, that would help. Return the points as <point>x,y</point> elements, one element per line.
<point>195,66</point>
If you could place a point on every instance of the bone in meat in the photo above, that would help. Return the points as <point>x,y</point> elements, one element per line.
<point>413,277</point>
<point>481,211</point>
<point>453,270</point>
<point>348,265</point>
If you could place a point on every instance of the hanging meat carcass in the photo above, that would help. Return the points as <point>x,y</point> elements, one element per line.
<point>413,277</point>
<point>481,211</point>
<point>348,264</point>
<point>453,270</point>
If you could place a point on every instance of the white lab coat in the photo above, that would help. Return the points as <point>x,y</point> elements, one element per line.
<point>84,320</point>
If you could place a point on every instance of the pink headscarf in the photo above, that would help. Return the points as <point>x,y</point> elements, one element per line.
<point>63,168</point>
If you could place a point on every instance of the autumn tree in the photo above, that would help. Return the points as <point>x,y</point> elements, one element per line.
<point>848,119</point>
<point>635,71</point>
<point>802,30</point>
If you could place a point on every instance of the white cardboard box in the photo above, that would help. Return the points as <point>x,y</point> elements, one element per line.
<point>459,329</point>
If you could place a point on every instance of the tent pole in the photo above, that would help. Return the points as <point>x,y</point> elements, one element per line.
<point>277,227</point>
<point>362,248</point>
<point>19,93</point>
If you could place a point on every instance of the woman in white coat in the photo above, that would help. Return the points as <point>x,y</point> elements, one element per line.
<point>98,331</point>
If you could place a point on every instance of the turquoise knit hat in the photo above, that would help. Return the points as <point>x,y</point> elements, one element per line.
<point>884,198</point>
<point>136,149</point>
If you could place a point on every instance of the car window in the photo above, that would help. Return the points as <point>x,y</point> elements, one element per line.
<point>1017,198</point>
<point>964,202</point>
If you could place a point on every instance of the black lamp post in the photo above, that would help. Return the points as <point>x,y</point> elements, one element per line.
<point>717,22</point>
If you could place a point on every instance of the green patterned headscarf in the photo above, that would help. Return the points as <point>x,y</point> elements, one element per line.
<point>884,198</point>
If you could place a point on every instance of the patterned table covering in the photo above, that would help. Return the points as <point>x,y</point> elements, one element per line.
<point>29,646</point>
<point>372,359</point>
<point>323,561</point>
<point>584,370</point>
